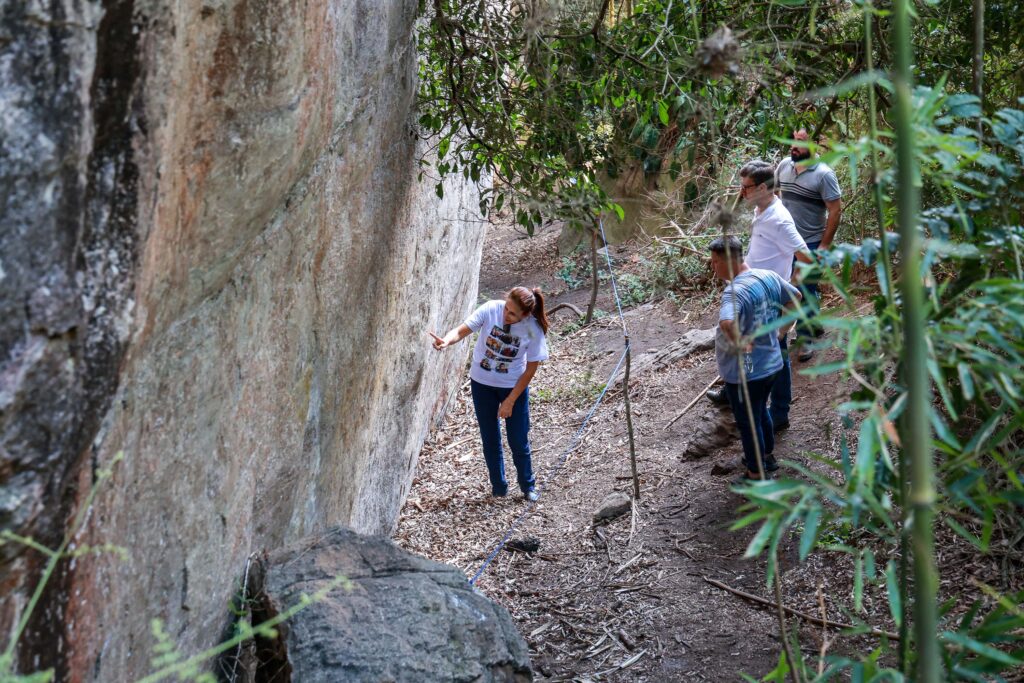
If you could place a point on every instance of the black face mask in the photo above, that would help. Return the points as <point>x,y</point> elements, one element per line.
<point>799,156</point>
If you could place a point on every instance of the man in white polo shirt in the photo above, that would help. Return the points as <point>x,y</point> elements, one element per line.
<point>774,243</point>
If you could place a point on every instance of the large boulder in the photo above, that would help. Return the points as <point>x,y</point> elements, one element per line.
<point>399,618</point>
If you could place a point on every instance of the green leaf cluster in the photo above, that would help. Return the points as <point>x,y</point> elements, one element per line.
<point>974,316</point>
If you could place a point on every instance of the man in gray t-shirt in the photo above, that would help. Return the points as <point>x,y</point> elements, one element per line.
<point>810,190</point>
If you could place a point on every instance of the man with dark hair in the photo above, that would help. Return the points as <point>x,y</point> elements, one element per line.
<point>752,299</point>
<point>810,191</point>
<point>774,244</point>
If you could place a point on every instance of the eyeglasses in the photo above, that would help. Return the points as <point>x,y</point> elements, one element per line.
<point>744,187</point>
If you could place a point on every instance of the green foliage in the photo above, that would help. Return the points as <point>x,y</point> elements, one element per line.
<point>573,274</point>
<point>974,351</point>
<point>669,270</point>
<point>577,325</point>
<point>633,290</point>
<point>552,99</point>
<point>582,390</point>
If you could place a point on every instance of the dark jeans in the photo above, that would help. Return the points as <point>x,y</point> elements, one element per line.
<point>782,388</point>
<point>762,427</point>
<point>809,288</point>
<point>486,400</point>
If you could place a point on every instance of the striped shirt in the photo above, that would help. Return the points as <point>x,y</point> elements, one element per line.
<point>805,194</point>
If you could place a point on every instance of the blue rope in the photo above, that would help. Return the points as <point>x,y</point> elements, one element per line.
<point>611,274</point>
<point>548,476</point>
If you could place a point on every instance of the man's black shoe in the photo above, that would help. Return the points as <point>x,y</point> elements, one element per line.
<point>718,397</point>
<point>780,426</point>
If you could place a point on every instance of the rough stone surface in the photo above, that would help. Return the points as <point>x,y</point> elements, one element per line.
<point>216,258</point>
<point>614,505</point>
<point>403,618</point>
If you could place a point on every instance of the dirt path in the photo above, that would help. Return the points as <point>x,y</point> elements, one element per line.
<point>628,600</point>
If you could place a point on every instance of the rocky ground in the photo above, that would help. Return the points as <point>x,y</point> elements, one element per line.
<point>633,598</point>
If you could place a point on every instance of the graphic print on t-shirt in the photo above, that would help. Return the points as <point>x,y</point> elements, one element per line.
<point>502,347</point>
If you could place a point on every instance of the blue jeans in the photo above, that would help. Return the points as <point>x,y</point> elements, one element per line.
<point>486,400</point>
<point>809,289</point>
<point>782,388</point>
<point>762,428</point>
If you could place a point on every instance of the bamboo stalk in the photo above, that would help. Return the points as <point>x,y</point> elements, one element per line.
<point>916,434</point>
<point>903,658</point>
<point>875,170</point>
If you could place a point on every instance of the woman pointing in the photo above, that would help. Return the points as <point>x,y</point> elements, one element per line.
<point>510,347</point>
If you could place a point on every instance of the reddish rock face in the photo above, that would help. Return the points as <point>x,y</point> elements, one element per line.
<point>223,266</point>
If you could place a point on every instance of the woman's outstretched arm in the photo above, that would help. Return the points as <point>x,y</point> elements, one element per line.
<point>453,337</point>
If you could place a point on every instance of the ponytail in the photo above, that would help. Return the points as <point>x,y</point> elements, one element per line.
<point>538,310</point>
<point>532,303</point>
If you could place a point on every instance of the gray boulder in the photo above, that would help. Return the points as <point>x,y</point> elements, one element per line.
<point>614,505</point>
<point>401,617</point>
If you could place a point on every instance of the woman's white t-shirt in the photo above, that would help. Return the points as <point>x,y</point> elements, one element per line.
<point>500,354</point>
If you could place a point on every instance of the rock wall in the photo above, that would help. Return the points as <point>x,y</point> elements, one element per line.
<point>218,260</point>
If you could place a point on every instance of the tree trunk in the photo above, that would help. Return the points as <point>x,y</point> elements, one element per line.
<point>916,433</point>
<point>595,279</point>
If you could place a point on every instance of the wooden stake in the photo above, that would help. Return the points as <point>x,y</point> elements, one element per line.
<point>629,426</point>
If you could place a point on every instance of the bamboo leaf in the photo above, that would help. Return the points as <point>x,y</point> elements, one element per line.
<point>980,648</point>
<point>810,533</point>
<point>761,539</point>
<point>858,583</point>
<point>892,589</point>
<point>962,532</point>
<point>619,211</point>
<point>966,382</point>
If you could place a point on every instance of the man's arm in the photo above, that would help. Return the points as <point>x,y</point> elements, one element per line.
<point>835,210</point>
<point>793,297</point>
<point>792,241</point>
<point>730,329</point>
